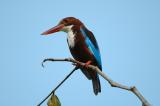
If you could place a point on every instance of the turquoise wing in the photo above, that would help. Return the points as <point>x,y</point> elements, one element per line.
<point>92,45</point>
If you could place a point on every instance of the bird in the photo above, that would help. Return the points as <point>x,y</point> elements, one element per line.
<point>83,47</point>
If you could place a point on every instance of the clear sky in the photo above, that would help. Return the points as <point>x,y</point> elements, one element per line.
<point>127,31</point>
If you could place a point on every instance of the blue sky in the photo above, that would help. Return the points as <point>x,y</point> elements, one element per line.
<point>128,33</point>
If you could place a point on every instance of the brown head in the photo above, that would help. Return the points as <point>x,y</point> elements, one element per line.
<point>64,25</point>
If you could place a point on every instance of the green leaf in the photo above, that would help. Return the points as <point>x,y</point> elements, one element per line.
<point>54,101</point>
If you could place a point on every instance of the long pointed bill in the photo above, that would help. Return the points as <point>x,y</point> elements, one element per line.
<point>53,30</point>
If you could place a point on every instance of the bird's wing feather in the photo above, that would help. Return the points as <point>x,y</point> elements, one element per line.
<point>92,45</point>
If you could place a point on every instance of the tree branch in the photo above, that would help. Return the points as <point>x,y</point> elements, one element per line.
<point>132,89</point>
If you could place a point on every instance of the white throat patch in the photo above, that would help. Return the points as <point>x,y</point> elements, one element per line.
<point>71,35</point>
<point>71,39</point>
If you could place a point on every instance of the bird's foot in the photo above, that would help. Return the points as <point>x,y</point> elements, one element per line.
<point>87,63</point>
<point>84,66</point>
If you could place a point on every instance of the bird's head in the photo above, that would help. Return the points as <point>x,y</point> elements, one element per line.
<point>64,25</point>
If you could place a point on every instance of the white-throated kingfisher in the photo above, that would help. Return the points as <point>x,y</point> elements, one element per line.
<point>83,47</point>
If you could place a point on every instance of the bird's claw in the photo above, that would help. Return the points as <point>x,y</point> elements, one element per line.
<point>86,64</point>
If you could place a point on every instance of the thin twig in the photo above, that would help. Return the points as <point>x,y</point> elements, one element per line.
<point>133,89</point>
<point>53,91</point>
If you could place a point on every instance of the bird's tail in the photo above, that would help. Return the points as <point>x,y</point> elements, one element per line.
<point>96,85</point>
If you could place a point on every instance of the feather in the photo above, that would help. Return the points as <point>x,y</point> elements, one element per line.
<point>92,45</point>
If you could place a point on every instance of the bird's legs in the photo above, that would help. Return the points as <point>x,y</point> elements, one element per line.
<point>87,63</point>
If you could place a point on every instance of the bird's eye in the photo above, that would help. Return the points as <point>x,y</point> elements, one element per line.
<point>65,21</point>
<point>70,24</point>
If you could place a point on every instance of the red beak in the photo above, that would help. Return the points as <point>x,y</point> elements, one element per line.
<point>53,30</point>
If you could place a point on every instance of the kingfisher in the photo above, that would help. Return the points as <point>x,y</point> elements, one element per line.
<point>83,47</point>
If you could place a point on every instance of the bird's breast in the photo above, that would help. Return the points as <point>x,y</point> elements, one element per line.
<point>71,39</point>
<point>80,50</point>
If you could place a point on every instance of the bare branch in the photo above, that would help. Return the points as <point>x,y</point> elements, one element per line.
<point>133,89</point>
